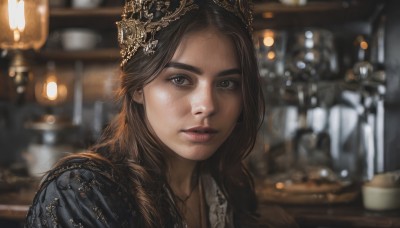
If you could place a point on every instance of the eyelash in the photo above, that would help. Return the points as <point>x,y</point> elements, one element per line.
<point>174,79</point>
<point>233,83</point>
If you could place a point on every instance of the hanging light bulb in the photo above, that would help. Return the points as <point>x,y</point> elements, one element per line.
<point>51,88</point>
<point>50,91</point>
<point>23,26</point>
<point>16,17</point>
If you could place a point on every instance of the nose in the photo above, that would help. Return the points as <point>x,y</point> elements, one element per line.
<point>204,101</point>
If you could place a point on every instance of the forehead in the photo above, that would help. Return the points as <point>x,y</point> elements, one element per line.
<point>207,48</point>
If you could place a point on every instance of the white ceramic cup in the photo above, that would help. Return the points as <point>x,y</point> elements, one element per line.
<point>79,39</point>
<point>380,199</point>
<point>85,3</point>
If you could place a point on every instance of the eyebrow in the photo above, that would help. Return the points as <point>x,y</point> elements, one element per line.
<point>198,70</point>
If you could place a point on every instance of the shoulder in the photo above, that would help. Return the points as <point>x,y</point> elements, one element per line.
<point>81,192</point>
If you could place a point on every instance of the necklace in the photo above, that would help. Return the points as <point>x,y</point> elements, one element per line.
<point>183,200</point>
<point>195,180</point>
<point>193,212</point>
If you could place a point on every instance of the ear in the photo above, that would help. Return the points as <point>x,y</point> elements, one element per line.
<point>138,96</point>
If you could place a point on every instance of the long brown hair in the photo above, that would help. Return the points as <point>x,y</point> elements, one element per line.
<point>129,140</point>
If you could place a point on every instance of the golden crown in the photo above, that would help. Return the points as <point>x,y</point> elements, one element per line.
<point>141,19</point>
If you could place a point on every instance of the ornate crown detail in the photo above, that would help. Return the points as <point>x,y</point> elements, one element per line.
<point>241,8</point>
<point>141,19</point>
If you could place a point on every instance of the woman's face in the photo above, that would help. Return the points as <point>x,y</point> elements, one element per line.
<point>194,103</point>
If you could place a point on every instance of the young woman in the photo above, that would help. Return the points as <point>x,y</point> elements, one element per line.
<point>191,105</point>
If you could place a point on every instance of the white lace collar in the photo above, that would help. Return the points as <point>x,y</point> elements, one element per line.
<point>219,212</point>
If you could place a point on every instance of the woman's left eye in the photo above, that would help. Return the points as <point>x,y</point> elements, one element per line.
<point>180,80</point>
<point>228,84</point>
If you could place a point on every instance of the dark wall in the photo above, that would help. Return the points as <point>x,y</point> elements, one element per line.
<point>392,99</point>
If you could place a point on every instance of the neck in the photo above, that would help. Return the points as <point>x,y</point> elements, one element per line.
<point>182,176</point>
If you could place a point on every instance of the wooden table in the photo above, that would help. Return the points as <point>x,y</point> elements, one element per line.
<point>342,216</point>
<point>14,206</point>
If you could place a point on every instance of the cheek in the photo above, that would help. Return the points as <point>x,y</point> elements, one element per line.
<point>162,104</point>
<point>235,108</point>
<point>155,103</point>
<point>158,98</point>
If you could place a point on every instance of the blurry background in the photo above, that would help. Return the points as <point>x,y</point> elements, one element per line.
<point>330,72</point>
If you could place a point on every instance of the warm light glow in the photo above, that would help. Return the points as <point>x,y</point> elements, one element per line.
<point>23,24</point>
<point>364,45</point>
<point>360,40</point>
<point>268,41</point>
<point>271,55</point>
<point>51,90</point>
<point>16,17</point>
<point>280,185</point>
<point>268,15</point>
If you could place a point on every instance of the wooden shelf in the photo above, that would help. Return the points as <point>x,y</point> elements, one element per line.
<point>106,54</point>
<point>99,18</point>
<point>97,12</point>
<point>275,7</point>
<point>266,15</point>
<point>314,13</point>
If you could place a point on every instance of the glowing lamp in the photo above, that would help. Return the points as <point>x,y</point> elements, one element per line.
<point>23,26</point>
<point>50,91</point>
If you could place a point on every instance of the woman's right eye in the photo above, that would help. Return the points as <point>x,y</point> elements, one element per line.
<point>180,80</point>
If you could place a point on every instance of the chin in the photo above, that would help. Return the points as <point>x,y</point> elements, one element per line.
<point>198,156</point>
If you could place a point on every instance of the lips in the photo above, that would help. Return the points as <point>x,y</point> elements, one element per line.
<point>208,130</point>
<point>200,134</point>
